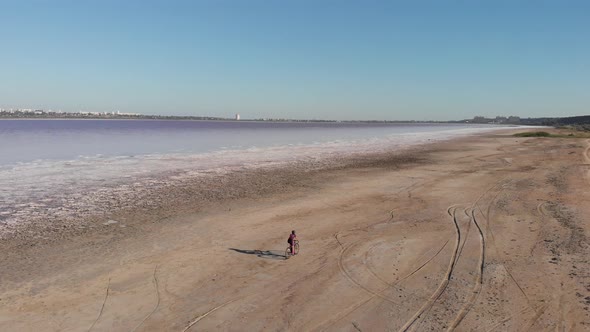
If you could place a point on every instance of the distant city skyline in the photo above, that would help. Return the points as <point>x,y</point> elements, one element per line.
<point>340,60</point>
<point>30,113</point>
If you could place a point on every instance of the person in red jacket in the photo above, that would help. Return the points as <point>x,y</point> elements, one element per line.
<point>291,241</point>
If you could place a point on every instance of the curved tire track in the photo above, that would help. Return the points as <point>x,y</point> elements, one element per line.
<point>197,319</point>
<point>363,302</point>
<point>445,281</point>
<point>346,273</point>
<point>157,289</point>
<point>106,296</point>
<point>466,233</point>
<point>478,281</point>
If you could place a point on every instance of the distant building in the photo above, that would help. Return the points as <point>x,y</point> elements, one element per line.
<point>479,119</point>
<point>513,119</point>
<point>237,116</point>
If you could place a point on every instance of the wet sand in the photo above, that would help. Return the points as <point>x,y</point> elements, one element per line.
<point>485,233</point>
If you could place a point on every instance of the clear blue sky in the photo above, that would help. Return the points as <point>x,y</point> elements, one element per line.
<point>298,59</point>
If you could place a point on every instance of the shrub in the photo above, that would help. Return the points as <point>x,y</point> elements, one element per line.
<point>533,134</point>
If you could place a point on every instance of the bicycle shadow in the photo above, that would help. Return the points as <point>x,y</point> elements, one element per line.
<point>269,254</point>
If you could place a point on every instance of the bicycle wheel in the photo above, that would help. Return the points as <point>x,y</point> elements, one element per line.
<point>288,253</point>
<point>296,249</point>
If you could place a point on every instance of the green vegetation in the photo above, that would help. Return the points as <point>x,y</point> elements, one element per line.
<point>533,134</point>
<point>576,134</point>
<point>577,127</point>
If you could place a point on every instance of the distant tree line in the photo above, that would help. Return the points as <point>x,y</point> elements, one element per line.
<point>576,122</point>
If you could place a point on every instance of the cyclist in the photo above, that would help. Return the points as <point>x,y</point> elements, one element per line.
<point>291,241</point>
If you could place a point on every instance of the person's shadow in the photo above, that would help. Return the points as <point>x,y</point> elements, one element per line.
<point>270,254</point>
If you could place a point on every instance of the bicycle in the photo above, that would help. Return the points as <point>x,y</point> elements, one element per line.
<point>295,250</point>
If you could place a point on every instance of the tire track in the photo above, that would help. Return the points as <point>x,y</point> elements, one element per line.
<point>397,281</point>
<point>535,318</point>
<point>478,281</point>
<point>561,325</point>
<point>423,265</point>
<point>371,271</point>
<point>197,319</point>
<point>157,289</point>
<point>493,238</point>
<point>466,233</point>
<point>489,231</point>
<point>338,240</point>
<point>467,306</point>
<point>106,296</point>
<point>445,281</point>
<point>346,273</point>
<point>379,294</point>
<point>346,313</point>
<point>542,215</point>
<point>541,210</point>
<point>505,320</point>
<point>361,303</point>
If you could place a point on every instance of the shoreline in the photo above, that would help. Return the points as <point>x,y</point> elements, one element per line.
<point>196,190</point>
<point>77,209</point>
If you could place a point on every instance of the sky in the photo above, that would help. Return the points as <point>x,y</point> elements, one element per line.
<point>342,60</point>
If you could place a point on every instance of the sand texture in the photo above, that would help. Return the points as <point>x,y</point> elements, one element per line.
<point>487,233</point>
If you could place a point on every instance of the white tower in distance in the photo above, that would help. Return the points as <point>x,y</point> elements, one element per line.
<point>237,116</point>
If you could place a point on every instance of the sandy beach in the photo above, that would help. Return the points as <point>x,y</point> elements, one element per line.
<point>485,233</point>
